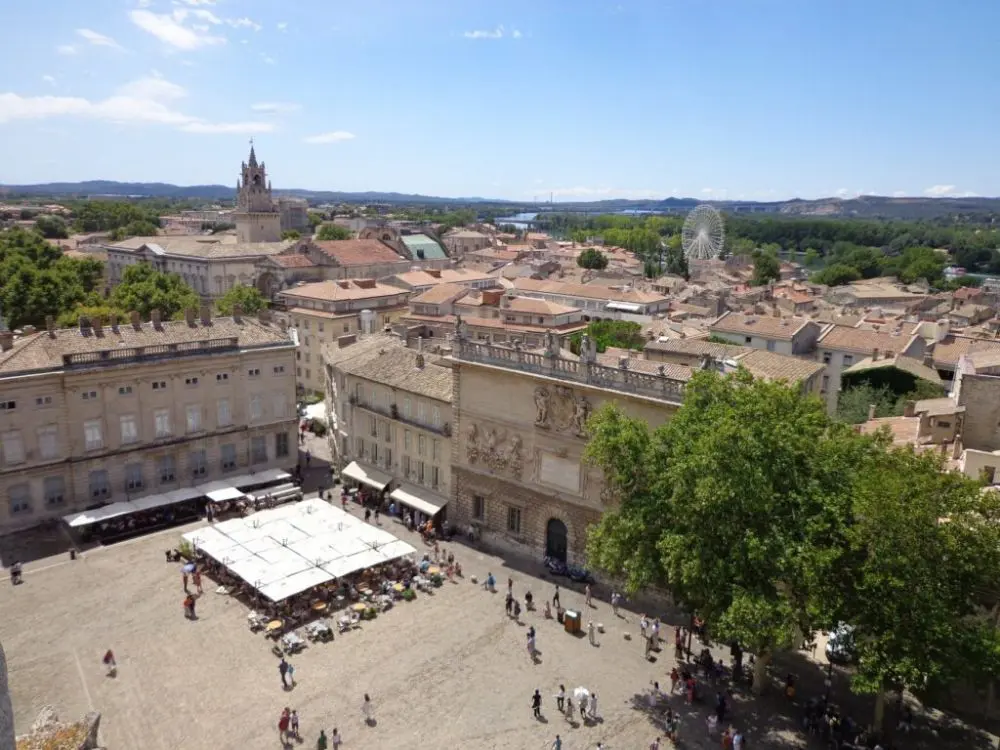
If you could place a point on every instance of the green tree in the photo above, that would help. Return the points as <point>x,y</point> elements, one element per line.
<point>104,216</point>
<point>333,232</point>
<point>837,274</point>
<point>52,227</point>
<point>138,228</point>
<point>144,289</point>
<point>592,258</point>
<point>675,261</point>
<point>291,234</point>
<point>246,297</point>
<point>315,219</point>
<point>766,267</point>
<point>812,258</point>
<point>853,404</point>
<point>620,334</point>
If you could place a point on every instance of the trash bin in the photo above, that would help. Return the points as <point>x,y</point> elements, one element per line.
<point>571,621</point>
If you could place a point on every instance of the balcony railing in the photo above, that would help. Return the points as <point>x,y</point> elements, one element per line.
<point>144,353</point>
<point>395,414</point>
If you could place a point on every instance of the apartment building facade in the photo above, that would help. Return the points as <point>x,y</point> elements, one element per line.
<point>96,414</point>
<point>391,416</point>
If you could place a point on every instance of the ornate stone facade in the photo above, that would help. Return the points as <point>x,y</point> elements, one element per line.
<point>257,217</point>
<point>495,451</point>
<point>561,409</point>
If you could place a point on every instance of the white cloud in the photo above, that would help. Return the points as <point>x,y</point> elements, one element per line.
<point>207,15</point>
<point>516,34</point>
<point>937,191</point>
<point>49,80</point>
<point>496,33</point>
<point>267,59</point>
<point>244,23</point>
<point>144,3</point>
<point>282,26</point>
<point>198,2</point>
<point>97,39</point>
<point>275,108</point>
<point>171,30</point>
<point>146,100</point>
<point>333,137</point>
<point>66,49</point>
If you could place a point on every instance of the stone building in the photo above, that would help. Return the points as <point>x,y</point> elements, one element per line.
<point>517,462</point>
<point>257,217</point>
<point>96,414</point>
<point>391,417</point>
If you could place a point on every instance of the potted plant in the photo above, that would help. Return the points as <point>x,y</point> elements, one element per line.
<point>409,595</point>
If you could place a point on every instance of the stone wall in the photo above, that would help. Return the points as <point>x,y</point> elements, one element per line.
<point>6,711</point>
<point>980,395</point>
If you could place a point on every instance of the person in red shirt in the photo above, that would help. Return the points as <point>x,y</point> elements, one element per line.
<point>283,724</point>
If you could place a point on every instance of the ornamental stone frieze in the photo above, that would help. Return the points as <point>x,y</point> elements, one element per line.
<point>559,409</point>
<point>494,450</point>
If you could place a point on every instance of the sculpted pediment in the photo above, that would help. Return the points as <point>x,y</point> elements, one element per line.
<point>560,409</point>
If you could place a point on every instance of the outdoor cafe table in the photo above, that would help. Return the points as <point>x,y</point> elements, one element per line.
<point>433,570</point>
<point>319,606</point>
<point>398,587</point>
<point>273,626</point>
<point>359,607</point>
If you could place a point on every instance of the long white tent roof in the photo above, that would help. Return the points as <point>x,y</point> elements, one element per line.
<point>286,550</point>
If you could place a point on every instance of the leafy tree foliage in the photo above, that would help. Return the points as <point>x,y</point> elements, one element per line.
<point>138,228</point>
<point>246,297</point>
<point>52,227</point>
<point>766,267</point>
<point>620,334</point>
<point>291,234</point>
<point>103,216</point>
<point>144,289</point>
<point>836,275</point>
<point>333,232</point>
<point>674,259</point>
<point>315,219</point>
<point>592,258</point>
<point>37,280</point>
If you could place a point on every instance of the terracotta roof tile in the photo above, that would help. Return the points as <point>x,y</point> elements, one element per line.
<point>950,349</point>
<point>341,289</point>
<point>359,252</point>
<point>766,326</point>
<point>295,260</point>
<point>862,340</point>
<point>386,360</point>
<point>772,366</point>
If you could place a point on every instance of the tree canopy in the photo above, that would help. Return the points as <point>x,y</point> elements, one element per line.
<point>104,216</point>
<point>333,232</point>
<point>766,267</point>
<point>52,227</point>
<point>592,258</point>
<point>247,297</point>
<point>291,234</point>
<point>137,228</point>
<point>144,289</point>
<point>621,334</point>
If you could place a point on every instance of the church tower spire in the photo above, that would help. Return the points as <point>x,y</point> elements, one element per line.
<point>257,217</point>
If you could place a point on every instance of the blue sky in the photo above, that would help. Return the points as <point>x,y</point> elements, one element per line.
<point>751,99</point>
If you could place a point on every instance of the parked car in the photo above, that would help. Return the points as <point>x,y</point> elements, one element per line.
<point>840,647</point>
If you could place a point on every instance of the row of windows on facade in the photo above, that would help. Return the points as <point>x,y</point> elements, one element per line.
<point>381,398</point>
<point>417,471</point>
<point>127,390</point>
<point>13,446</point>
<point>99,485</point>
<point>379,428</point>
<point>513,514</point>
<point>197,282</point>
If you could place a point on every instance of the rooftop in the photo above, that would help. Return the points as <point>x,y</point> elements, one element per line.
<point>202,246</point>
<point>536,306</point>
<point>386,360</point>
<point>771,366</point>
<point>341,290</point>
<point>440,294</point>
<point>587,291</point>
<point>863,340</point>
<point>423,247</point>
<point>358,252</point>
<point>950,349</point>
<point>696,347</point>
<point>767,326</point>
<point>69,347</point>
<point>444,276</point>
<point>292,260</point>
<point>907,364</point>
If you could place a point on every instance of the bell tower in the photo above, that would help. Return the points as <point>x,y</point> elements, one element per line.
<point>257,218</point>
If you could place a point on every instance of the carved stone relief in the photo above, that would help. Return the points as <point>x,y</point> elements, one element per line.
<point>498,452</point>
<point>562,410</point>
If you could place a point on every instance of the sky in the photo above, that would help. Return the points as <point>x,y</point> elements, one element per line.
<point>573,99</point>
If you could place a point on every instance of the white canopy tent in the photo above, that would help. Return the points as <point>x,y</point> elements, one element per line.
<point>98,515</point>
<point>418,499</point>
<point>371,477</point>
<point>224,494</point>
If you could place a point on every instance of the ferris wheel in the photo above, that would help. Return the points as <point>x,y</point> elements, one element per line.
<point>703,234</point>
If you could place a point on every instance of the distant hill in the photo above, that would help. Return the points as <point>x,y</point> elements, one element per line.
<point>865,206</point>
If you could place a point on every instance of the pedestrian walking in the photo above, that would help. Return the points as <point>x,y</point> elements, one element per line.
<point>294,724</point>
<point>336,739</point>
<point>377,511</point>
<point>368,710</point>
<point>321,742</point>
<point>531,645</point>
<point>109,663</point>
<point>536,704</point>
<point>557,743</point>
<point>283,671</point>
<point>569,708</point>
<point>291,675</point>
<point>737,740</point>
<point>283,725</point>
<point>593,706</point>
<point>675,678</point>
<point>561,698</point>
<point>510,602</point>
<point>678,644</point>
<point>309,459</point>
<point>615,600</point>
<point>591,630</point>
<point>720,706</point>
<point>196,580</point>
<point>184,579</point>
<point>510,586</point>
<point>368,514</point>
<point>583,708</point>
<point>655,744</point>
<point>555,598</point>
<point>587,593</point>
<point>188,606</point>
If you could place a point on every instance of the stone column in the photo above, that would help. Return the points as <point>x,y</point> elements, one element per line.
<point>6,710</point>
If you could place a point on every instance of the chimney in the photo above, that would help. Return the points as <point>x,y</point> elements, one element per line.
<point>420,352</point>
<point>135,320</point>
<point>156,320</point>
<point>84,325</point>
<point>99,326</point>
<point>6,341</point>
<point>871,412</point>
<point>206,315</point>
<point>238,313</point>
<point>910,409</point>
<point>874,355</point>
<point>50,325</point>
<point>114,322</point>
<point>189,316</point>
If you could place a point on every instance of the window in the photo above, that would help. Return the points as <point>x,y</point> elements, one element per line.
<point>89,395</point>
<point>848,360</point>
<point>309,374</point>
<point>159,385</point>
<point>360,446</point>
<point>770,346</point>
<point>943,423</point>
<point>228,453</point>
<point>279,369</point>
<point>167,468</point>
<point>298,370</point>
<point>224,416</point>
<point>420,471</point>
<point>8,405</point>
<point>388,458</point>
<point>421,411</point>
<point>406,466</point>
<point>375,453</point>
<point>435,476</point>
<point>478,507</point>
<point>436,417</point>
<point>387,432</point>
<point>100,488</point>
<point>19,499</point>
<point>406,440</point>
<point>43,401</point>
<point>221,377</point>
<point>406,407</point>
<point>254,372</point>
<point>258,449</point>
<point>307,358</point>
<point>93,435</point>
<point>48,441</point>
<point>747,339</point>
<point>280,405</point>
<point>421,444</point>
<point>256,408</point>
<point>193,415</point>
<point>347,327</point>
<point>827,356</point>
<point>436,450</point>
<point>513,519</point>
<point>826,383</point>
<point>198,463</point>
<point>130,429</point>
<point>124,390</point>
<point>191,381</point>
<point>373,426</point>
<point>280,444</point>
<point>133,477</point>
<point>162,419</point>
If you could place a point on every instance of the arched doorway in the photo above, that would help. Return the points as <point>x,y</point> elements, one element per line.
<point>556,539</point>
